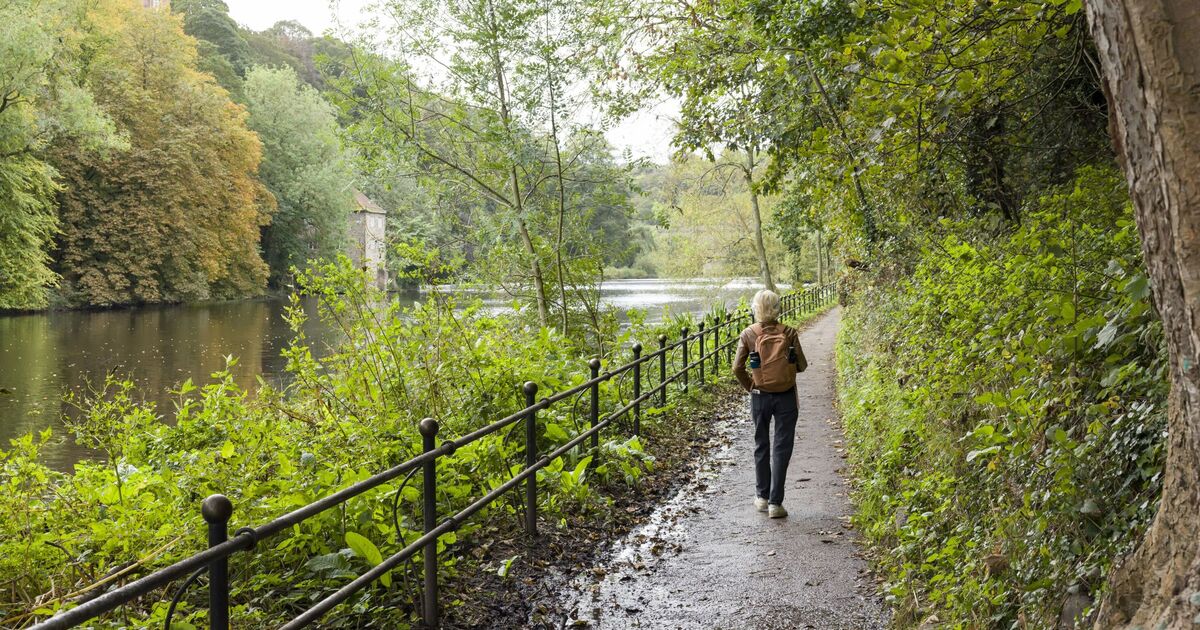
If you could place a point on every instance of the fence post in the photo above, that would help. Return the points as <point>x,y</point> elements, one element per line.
<point>530,459</point>
<point>662,370</point>
<point>700,357</point>
<point>594,364</point>
<point>716,367</point>
<point>729,321</point>
<point>637,389</point>
<point>216,511</point>
<point>429,430</point>
<point>685,359</point>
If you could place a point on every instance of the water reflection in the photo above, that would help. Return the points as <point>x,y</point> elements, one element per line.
<point>43,356</point>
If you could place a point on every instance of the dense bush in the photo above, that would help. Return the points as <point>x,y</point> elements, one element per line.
<point>1005,406</point>
<point>349,412</point>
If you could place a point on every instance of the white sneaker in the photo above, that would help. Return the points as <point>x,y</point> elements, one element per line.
<point>776,511</point>
<point>760,504</point>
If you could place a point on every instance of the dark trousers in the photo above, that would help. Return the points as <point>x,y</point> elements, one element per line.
<point>771,458</point>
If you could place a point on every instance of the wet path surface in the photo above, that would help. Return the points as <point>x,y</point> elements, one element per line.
<point>707,559</point>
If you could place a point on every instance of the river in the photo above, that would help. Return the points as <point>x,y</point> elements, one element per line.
<point>44,356</point>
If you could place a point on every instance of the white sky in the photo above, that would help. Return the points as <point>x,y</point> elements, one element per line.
<point>646,134</point>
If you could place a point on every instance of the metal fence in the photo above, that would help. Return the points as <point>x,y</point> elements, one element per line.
<point>716,337</point>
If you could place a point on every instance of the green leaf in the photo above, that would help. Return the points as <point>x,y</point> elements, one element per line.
<point>506,566</point>
<point>1106,335</point>
<point>965,81</point>
<point>227,450</point>
<point>109,495</point>
<point>364,548</point>
<point>1138,287</point>
<point>973,455</point>
<point>1068,311</point>
<point>556,433</point>
<point>580,468</point>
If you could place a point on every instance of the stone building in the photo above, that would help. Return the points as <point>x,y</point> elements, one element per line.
<point>367,247</point>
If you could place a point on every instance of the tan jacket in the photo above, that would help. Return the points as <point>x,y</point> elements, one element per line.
<point>748,340</point>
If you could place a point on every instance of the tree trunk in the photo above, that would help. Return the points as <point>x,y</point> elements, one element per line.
<point>820,260</point>
<point>760,248</point>
<point>1150,54</point>
<point>562,202</point>
<point>535,267</point>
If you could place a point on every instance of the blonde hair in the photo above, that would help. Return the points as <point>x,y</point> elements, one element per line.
<point>766,306</point>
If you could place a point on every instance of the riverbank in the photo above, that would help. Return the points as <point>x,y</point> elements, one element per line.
<point>44,356</point>
<point>344,416</point>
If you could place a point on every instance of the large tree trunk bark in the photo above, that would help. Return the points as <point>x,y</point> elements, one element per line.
<point>1150,53</point>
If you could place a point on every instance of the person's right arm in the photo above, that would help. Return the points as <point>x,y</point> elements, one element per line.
<point>739,365</point>
<point>801,360</point>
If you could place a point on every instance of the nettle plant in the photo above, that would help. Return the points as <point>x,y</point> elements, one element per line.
<point>1006,406</point>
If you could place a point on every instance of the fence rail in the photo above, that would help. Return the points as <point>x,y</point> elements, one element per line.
<point>722,331</point>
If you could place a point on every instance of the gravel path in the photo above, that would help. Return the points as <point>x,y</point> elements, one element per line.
<point>707,559</point>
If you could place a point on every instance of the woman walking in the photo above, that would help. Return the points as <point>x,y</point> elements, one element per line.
<point>773,353</point>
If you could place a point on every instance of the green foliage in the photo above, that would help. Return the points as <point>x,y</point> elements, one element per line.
<point>176,216</point>
<point>209,20</point>
<point>1002,366</point>
<point>883,117</point>
<point>27,224</point>
<point>502,144</point>
<point>228,51</point>
<point>41,101</point>
<point>1005,407</point>
<point>303,167</point>
<point>702,220</point>
<point>345,416</point>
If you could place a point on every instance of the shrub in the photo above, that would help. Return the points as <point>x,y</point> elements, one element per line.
<point>1005,406</point>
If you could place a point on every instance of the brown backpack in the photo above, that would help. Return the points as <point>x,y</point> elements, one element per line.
<point>775,373</point>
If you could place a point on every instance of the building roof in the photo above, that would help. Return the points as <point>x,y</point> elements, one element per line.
<point>365,204</point>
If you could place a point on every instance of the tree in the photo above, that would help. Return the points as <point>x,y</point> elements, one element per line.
<point>177,216</point>
<point>708,213</point>
<point>722,96</point>
<point>1150,54</point>
<point>304,168</point>
<point>296,40</point>
<point>484,108</point>
<point>41,101</point>
<point>209,20</point>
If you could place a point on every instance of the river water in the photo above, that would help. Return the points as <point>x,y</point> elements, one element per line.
<point>46,355</point>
